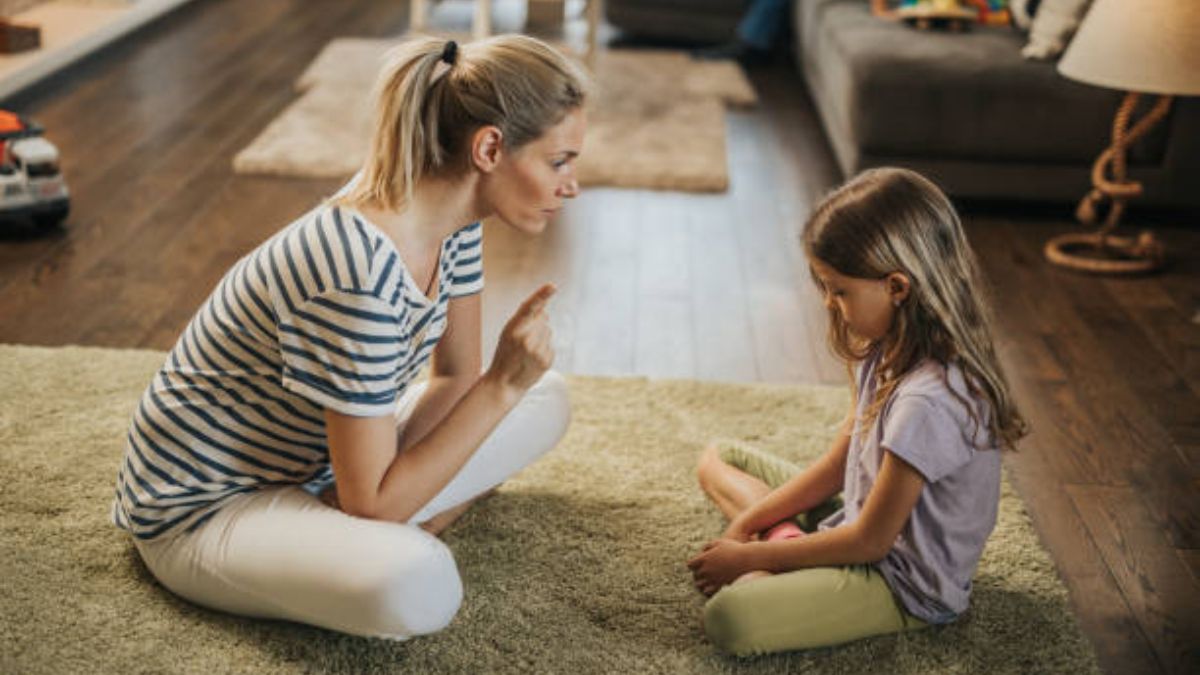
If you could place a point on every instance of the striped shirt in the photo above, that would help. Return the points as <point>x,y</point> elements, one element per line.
<point>323,315</point>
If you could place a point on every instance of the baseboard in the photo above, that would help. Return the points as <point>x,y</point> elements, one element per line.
<point>71,33</point>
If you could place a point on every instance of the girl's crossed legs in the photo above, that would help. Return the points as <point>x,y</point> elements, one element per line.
<point>816,607</point>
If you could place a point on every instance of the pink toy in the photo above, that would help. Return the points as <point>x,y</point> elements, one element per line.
<point>785,530</point>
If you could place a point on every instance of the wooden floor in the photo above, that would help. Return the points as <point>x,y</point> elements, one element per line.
<point>1108,370</point>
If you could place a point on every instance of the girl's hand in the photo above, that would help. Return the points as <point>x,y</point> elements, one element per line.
<point>737,531</point>
<point>719,564</point>
<point>524,352</point>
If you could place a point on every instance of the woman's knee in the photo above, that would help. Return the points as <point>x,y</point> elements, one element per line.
<point>551,396</point>
<point>418,593</point>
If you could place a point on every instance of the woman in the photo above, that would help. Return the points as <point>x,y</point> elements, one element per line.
<point>297,368</point>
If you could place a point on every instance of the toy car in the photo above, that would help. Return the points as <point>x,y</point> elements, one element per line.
<point>31,184</point>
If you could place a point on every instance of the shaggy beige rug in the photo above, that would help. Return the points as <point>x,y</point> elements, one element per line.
<point>656,120</point>
<point>576,566</point>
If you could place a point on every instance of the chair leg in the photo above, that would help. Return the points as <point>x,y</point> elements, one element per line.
<point>483,19</point>
<point>418,14</point>
<point>594,13</point>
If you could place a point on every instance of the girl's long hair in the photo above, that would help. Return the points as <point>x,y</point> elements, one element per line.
<point>894,220</point>
<point>427,109</point>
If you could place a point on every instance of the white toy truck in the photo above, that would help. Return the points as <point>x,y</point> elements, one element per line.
<point>31,184</point>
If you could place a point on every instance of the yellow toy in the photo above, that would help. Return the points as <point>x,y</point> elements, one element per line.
<point>926,14</point>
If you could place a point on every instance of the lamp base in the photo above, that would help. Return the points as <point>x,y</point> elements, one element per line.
<point>1101,252</point>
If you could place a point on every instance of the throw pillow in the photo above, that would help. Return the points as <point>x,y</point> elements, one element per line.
<point>1053,26</point>
<point>1023,12</point>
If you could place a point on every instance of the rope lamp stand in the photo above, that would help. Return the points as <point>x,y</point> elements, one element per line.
<point>1102,252</point>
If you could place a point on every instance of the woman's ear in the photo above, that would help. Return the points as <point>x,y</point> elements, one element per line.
<point>487,147</point>
<point>899,287</point>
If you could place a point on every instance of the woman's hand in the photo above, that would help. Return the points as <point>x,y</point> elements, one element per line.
<point>524,352</point>
<point>719,563</point>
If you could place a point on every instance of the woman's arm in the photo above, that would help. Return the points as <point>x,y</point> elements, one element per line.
<point>376,480</point>
<point>455,368</point>
<point>818,482</point>
<point>866,540</point>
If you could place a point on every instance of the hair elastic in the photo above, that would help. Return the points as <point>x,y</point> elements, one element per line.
<point>450,53</point>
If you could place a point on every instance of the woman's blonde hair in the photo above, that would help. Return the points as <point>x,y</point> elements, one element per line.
<point>432,96</point>
<point>894,220</point>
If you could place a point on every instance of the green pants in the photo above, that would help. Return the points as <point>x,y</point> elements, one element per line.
<point>812,607</point>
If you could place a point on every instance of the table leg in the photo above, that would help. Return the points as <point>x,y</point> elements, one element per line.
<point>593,19</point>
<point>418,14</point>
<point>483,19</point>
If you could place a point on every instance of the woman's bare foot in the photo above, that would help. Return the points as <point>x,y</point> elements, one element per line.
<point>445,519</point>
<point>329,497</point>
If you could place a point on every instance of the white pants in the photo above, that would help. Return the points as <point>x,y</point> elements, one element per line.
<point>281,553</point>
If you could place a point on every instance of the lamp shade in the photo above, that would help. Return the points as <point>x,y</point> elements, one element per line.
<point>1146,46</point>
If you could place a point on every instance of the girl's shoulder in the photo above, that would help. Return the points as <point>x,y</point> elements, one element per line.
<point>929,377</point>
<point>944,387</point>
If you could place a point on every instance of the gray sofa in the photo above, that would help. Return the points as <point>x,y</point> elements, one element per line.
<point>710,21</point>
<point>965,109</point>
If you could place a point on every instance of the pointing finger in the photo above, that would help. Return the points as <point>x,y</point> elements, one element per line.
<point>537,300</point>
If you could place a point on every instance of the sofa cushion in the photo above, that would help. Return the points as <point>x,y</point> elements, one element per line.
<point>894,90</point>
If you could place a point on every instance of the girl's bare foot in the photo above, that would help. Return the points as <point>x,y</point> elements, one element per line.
<point>751,576</point>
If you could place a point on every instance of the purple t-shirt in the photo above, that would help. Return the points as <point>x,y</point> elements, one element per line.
<point>933,559</point>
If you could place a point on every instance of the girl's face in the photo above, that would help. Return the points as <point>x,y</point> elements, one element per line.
<point>529,185</point>
<point>868,306</point>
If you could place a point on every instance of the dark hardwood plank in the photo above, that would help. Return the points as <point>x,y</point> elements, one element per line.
<point>1190,558</point>
<point>139,123</point>
<point>1089,432</point>
<point>1118,404</point>
<point>1162,593</point>
<point>1102,610</point>
<point>1046,384</point>
<point>1126,402</point>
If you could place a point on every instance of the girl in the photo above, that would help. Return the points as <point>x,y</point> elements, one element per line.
<point>297,368</point>
<point>916,461</point>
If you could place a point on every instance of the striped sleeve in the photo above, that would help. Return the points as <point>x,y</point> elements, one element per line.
<point>342,350</point>
<point>466,274</point>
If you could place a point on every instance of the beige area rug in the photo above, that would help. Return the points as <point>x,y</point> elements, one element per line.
<point>575,566</point>
<point>656,120</point>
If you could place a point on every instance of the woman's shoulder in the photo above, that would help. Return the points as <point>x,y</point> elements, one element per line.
<point>339,251</point>
<point>468,237</point>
